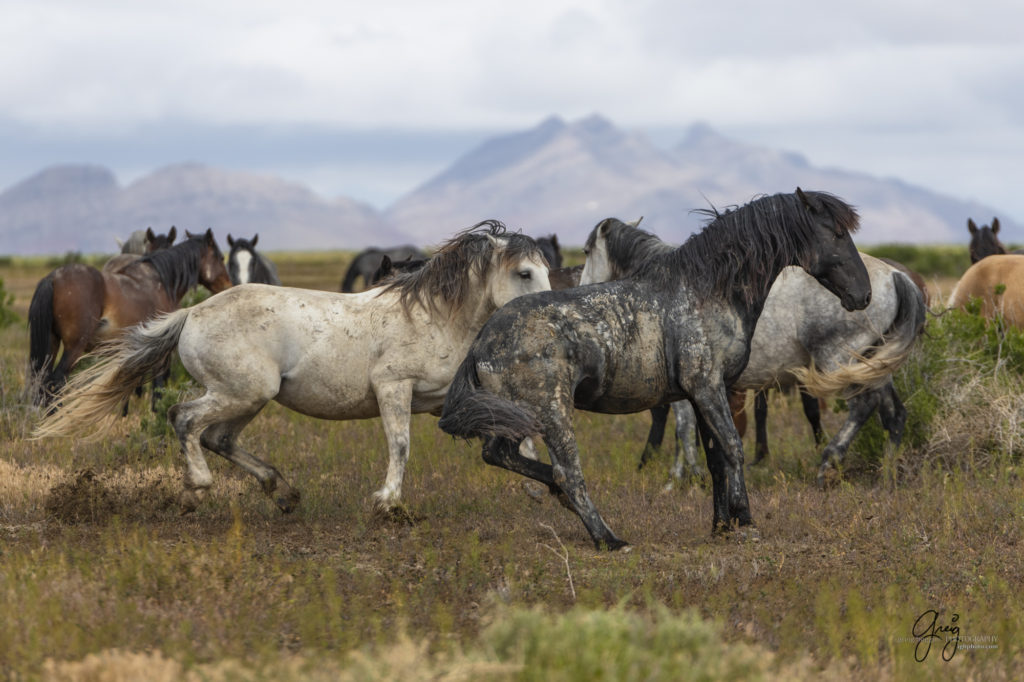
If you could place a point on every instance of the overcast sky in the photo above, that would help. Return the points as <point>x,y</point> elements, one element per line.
<point>338,93</point>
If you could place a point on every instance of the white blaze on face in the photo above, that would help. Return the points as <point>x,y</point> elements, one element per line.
<point>242,258</point>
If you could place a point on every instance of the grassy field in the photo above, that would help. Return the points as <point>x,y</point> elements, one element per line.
<point>102,578</point>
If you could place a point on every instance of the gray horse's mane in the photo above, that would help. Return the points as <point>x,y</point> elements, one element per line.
<point>447,278</point>
<point>629,247</point>
<point>739,250</point>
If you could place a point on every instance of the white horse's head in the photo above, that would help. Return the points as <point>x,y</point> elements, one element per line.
<point>514,272</point>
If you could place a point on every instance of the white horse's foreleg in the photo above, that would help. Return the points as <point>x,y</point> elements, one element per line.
<point>395,403</point>
<point>686,443</point>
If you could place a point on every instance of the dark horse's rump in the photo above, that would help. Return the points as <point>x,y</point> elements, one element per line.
<point>367,262</point>
<point>680,327</point>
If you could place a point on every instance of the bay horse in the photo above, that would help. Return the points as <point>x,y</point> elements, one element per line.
<point>390,351</point>
<point>803,333</point>
<point>368,261</point>
<point>679,327</point>
<point>77,306</point>
<point>246,264</point>
<point>998,283</point>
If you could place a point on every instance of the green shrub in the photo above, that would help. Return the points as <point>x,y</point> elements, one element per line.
<point>928,261</point>
<point>962,388</point>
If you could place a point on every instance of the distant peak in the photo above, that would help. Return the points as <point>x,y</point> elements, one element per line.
<point>701,132</point>
<point>551,124</point>
<point>594,124</point>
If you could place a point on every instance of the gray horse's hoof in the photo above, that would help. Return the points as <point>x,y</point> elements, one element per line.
<point>190,499</point>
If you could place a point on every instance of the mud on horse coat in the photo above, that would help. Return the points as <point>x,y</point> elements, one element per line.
<point>388,352</point>
<point>680,327</point>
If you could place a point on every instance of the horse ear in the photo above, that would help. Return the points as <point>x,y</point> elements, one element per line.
<point>971,227</point>
<point>172,234</point>
<point>809,201</point>
<point>231,242</point>
<point>255,239</point>
<point>209,236</point>
<point>554,241</point>
<point>190,235</point>
<point>636,223</point>
<point>995,226</point>
<point>150,237</point>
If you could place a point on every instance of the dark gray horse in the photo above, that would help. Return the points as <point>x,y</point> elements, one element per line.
<point>367,262</point>
<point>984,240</point>
<point>680,327</point>
<point>246,264</point>
<point>802,326</point>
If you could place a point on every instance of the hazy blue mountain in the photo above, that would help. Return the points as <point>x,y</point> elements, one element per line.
<point>564,177</point>
<point>82,208</point>
<point>557,177</point>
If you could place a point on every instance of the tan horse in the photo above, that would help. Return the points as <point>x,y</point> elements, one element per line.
<point>998,283</point>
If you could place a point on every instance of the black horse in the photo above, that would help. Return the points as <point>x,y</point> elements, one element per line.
<point>552,251</point>
<point>680,327</point>
<point>246,264</point>
<point>367,262</point>
<point>985,240</point>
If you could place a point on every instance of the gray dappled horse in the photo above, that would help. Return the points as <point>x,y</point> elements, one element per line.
<point>679,327</point>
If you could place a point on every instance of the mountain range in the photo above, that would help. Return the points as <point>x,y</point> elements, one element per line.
<point>556,178</point>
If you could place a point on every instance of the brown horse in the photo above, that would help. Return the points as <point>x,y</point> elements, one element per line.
<point>78,306</point>
<point>998,282</point>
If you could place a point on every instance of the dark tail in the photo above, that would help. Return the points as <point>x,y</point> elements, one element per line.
<point>40,333</point>
<point>348,284</point>
<point>471,412</point>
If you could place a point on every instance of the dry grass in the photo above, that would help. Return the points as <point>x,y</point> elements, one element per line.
<point>106,581</point>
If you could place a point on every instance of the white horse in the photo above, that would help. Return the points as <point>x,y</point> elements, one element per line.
<point>804,336</point>
<point>389,351</point>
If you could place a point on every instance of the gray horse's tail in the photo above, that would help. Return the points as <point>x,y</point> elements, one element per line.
<point>872,368</point>
<point>88,400</point>
<point>471,412</point>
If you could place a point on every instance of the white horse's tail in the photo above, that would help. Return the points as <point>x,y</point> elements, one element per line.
<point>86,403</point>
<point>873,367</point>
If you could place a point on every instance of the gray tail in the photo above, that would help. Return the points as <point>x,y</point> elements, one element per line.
<point>873,367</point>
<point>471,412</point>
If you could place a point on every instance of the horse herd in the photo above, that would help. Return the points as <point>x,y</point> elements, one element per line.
<point>493,335</point>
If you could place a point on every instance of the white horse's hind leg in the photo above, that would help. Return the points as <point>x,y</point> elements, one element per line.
<point>222,438</point>
<point>185,417</point>
<point>395,402</point>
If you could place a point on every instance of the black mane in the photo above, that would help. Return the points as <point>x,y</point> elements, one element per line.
<point>447,276</point>
<point>178,267</point>
<point>741,249</point>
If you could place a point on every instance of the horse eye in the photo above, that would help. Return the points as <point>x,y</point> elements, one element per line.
<point>526,274</point>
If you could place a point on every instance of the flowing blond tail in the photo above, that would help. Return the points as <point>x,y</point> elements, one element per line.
<point>85,405</point>
<point>873,367</point>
